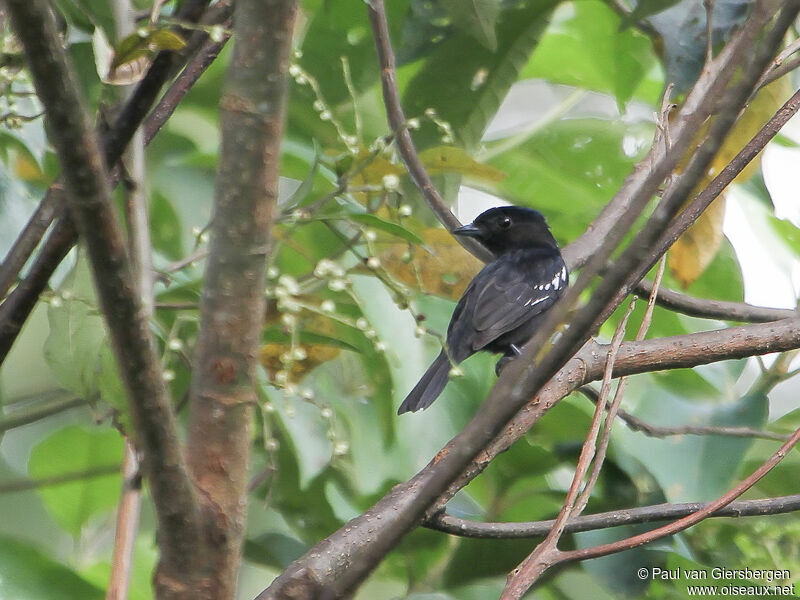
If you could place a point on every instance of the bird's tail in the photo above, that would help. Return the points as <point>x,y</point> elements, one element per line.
<point>429,386</point>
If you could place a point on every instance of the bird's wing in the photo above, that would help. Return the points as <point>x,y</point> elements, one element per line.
<point>516,289</point>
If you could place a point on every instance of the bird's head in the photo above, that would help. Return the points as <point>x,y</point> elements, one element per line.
<point>508,228</point>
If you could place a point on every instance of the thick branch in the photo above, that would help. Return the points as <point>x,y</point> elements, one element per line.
<point>683,351</point>
<point>630,516</point>
<point>89,201</point>
<point>253,110</point>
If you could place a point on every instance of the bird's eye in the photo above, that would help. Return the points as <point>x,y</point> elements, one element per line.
<point>505,222</point>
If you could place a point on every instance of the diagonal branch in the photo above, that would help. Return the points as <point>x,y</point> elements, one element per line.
<point>89,201</point>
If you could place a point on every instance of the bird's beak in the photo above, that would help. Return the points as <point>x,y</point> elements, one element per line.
<point>470,230</point>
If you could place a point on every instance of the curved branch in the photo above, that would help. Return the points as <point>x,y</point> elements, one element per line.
<point>628,516</point>
<point>405,145</point>
<point>713,309</point>
<point>634,423</point>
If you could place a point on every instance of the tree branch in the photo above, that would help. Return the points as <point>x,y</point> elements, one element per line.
<point>89,201</point>
<point>18,419</point>
<point>634,423</point>
<point>253,110</point>
<point>405,144</point>
<point>24,485</point>
<point>713,309</point>
<point>615,518</point>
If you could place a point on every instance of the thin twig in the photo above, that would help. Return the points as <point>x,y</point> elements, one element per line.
<point>537,561</point>
<point>405,145</point>
<point>613,408</point>
<point>778,69</point>
<point>20,418</point>
<point>634,423</point>
<point>127,526</point>
<point>631,516</point>
<point>24,485</point>
<point>29,238</point>
<point>708,5</point>
<point>713,309</point>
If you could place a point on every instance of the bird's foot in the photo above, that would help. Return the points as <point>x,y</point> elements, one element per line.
<point>512,353</point>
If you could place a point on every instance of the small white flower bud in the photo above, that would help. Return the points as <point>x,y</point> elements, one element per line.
<point>390,182</point>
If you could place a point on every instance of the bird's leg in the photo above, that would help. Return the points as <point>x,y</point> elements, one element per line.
<point>512,353</point>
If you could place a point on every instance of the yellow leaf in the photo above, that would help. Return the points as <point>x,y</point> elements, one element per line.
<point>445,271</point>
<point>272,355</point>
<point>165,39</point>
<point>698,246</point>
<point>451,159</point>
<point>26,169</point>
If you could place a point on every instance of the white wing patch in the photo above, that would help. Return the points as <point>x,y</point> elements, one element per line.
<point>533,302</point>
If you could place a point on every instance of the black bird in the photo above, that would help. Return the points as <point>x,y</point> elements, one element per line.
<point>504,303</point>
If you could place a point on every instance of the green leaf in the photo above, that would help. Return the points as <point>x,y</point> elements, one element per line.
<point>109,386</point>
<point>165,227</point>
<point>788,232</point>
<point>274,549</point>
<point>76,449</point>
<point>722,279</point>
<point>129,49</point>
<point>136,45</point>
<point>302,195</point>
<point>387,226</point>
<point>340,28</point>
<point>571,169</point>
<point>465,82</point>
<point>586,48</point>
<point>77,335</point>
<point>691,467</point>
<point>28,574</point>
<point>165,39</point>
<point>277,334</point>
<point>683,34</point>
<point>88,14</point>
<point>477,17</point>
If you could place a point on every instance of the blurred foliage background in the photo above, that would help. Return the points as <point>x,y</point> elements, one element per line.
<point>541,103</point>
